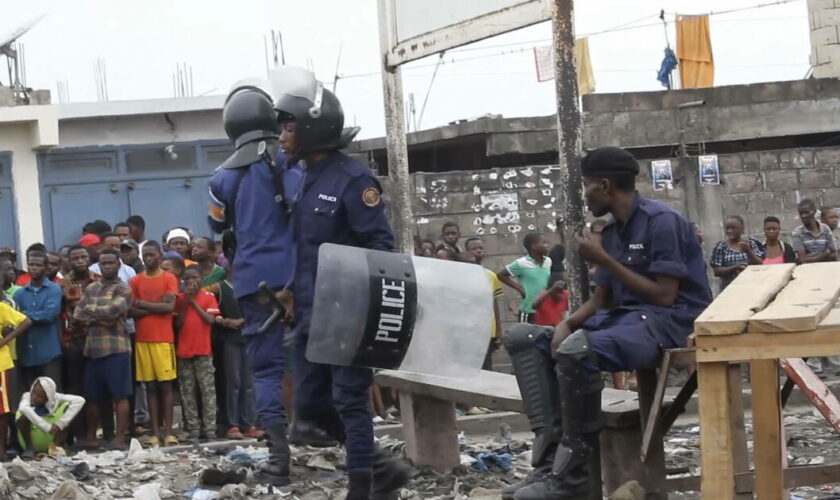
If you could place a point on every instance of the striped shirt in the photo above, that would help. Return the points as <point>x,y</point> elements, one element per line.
<point>104,306</point>
<point>801,238</point>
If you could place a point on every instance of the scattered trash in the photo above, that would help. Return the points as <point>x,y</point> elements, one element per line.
<point>216,477</point>
<point>247,456</point>
<point>233,492</point>
<point>818,460</point>
<point>81,471</point>
<point>70,491</point>
<point>19,470</point>
<point>485,461</point>
<point>467,460</point>
<point>201,494</point>
<point>150,491</point>
<point>320,462</point>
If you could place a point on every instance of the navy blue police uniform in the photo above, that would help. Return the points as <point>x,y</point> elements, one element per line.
<point>340,203</point>
<point>264,252</point>
<point>563,400</point>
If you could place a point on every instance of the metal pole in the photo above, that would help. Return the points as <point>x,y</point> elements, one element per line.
<point>569,145</point>
<point>395,133</point>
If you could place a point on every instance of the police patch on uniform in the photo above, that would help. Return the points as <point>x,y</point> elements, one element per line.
<point>371,197</point>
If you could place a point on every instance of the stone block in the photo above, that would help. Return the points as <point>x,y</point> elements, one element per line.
<point>731,163</point>
<point>768,160</point>
<point>781,180</point>
<point>816,177</point>
<point>764,203</point>
<point>463,203</point>
<point>420,206</point>
<point>827,157</point>
<point>797,195</point>
<point>796,158</point>
<point>742,183</point>
<point>735,204</point>
<point>824,35</point>
<point>831,197</point>
<point>750,160</point>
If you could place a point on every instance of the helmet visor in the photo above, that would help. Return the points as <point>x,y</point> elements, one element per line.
<point>298,82</point>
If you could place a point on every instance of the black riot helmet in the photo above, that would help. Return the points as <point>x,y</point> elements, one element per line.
<point>301,98</point>
<point>250,122</point>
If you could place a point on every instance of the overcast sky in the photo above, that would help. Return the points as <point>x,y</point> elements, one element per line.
<point>141,43</point>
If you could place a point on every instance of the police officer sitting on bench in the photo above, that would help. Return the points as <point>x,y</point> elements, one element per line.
<point>651,285</point>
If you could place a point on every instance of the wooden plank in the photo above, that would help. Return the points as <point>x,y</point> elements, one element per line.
<point>803,303</point>
<point>676,408</point>
<point>747,346</point>
<point>430,431</point>
<point>751,291</point>
<point>499,391</point>
<point>803,475</point>
<point>715,432</point>
<point>740,452</point>
<point>767,429</point>
<point>832,319</point>
<point>652,424</point>
<point>655,459</point>
<point>816,390</point>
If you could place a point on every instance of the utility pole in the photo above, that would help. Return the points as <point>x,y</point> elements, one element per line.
<point>395,134</point>
<point>569,146</point>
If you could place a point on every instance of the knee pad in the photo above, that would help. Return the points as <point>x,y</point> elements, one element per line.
<point>524,336</point>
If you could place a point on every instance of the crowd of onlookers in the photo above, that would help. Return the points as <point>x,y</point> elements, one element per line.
<point>104,333</point>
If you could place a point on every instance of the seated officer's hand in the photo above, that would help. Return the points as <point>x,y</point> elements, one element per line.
<point>561,331</point>
<point>286,298</point>
<point>591,248</point>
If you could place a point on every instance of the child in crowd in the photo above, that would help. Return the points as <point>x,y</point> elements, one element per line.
<point>551,304</point>
<point>197,311</point>
<point>532,272</point>
<point>444,253</point>
<point>240,401</point>
<point>450,233</point>
<point>154,293</point>
<point>12,324</point>
<point>473,255</point>
<point>44,415</point>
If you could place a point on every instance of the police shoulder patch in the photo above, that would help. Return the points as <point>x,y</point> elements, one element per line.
<point>371,197</point>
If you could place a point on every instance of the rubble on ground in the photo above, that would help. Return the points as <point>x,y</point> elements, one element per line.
<point>488,463</point>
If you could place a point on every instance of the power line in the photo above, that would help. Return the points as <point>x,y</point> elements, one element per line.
<point>621,27</point>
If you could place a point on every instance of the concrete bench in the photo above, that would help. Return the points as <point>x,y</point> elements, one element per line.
<point>430,428</point>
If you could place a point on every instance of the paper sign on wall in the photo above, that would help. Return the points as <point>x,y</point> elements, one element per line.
<point>663,176</point>
<point>709,169</point>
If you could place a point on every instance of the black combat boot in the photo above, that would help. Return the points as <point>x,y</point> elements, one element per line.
<point>308,433</point>
<point>277,470</point>
<point>389,475</point>
<point>359,485</point>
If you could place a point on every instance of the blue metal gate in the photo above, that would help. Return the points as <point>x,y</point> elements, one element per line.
<point>166,184</point>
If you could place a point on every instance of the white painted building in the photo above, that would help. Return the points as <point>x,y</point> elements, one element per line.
<point>63,165</point>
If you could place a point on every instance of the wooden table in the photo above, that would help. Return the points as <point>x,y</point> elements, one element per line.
<point>768,313</point>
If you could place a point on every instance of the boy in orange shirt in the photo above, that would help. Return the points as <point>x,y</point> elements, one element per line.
<point>551,304</point>
<point>197,311</point>
<point>154,292</point>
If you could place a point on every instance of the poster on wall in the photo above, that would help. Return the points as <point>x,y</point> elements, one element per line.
<point>709,169</point>
<point>663,176</point>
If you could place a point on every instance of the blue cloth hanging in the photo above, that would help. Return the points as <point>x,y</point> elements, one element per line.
<point>667,66</point>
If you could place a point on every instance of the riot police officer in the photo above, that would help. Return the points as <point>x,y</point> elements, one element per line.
<point>340,202</point>
<point>246,200</point>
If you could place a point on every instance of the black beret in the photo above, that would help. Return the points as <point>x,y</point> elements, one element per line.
<point>608,161</point>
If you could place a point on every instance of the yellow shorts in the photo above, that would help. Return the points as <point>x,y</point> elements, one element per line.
<point>155,361</point>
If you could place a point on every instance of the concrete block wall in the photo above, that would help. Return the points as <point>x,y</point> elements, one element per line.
<point>499,205</point>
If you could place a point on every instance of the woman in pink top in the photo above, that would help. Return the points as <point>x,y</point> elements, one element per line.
<point>776,251</point>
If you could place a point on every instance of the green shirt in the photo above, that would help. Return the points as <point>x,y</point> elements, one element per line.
<point>532,276</point>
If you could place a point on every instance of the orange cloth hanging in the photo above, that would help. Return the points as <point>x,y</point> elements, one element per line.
<point>694,51</point>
